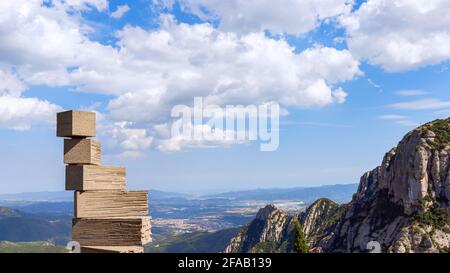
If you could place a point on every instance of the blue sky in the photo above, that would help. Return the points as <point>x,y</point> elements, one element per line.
<point>131,68</point>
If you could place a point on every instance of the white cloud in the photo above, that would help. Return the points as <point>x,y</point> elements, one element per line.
<point>400,35</point>
<point>21,113</point>
<point>295,17</point>
<point>120,11</point>
<point>10,85</point>
<point>377,86</point>
<point>150,71</point>
<point>42,43</point>
<point>100,5</point>
<point>131,139</point>
<point>423,104</point>
<point>399,119</point>
<point>339,95</point>
<point>181,61</point>
<point>392,117</point>
<point>411,93</point>
<point>182,141</point>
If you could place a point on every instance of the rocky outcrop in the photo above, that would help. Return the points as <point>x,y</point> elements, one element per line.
<point>267,233</point>
<point>402,205</point>
<point>273,229</point>
<point>319,219</point>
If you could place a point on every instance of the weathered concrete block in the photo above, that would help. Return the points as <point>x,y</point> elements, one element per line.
<point>111,232</point>
<point>106,204</point>
<point>75,124</point>
<point>82,151</point>
<point>92,177</point>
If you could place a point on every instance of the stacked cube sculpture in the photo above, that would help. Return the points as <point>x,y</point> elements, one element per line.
<point>108,218</point>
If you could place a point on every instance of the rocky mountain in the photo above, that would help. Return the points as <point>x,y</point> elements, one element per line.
<point>273,229</point>
<point>403,205</point>
<point>270,232</point>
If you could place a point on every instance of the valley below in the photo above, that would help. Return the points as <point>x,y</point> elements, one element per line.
<point>180,222</point>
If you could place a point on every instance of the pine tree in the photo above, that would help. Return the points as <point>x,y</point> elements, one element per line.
<point>300,245</point>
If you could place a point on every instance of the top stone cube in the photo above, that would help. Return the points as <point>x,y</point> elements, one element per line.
<point>75,124</point>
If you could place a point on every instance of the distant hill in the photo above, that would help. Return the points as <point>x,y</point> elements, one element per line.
<point>337,193</point>
<point>196,242</point>
<point>64,196</point>
<point>38,196</point>
<point>46,209</point>
<point>30,247</point>
<point>17,226</point>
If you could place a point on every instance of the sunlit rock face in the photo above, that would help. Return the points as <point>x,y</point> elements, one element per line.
<point>402,205</point>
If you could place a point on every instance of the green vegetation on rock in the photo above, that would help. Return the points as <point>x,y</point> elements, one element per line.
<point>436,217</point>
<point>300,244</point>
<point>441,128</point>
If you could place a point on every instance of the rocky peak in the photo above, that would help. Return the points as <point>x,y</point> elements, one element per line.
<point>417,169</point>
<point>265,233</point>
<point>315,218</point>
<point>403,204</point>
<point>266,212</point>
<point>396,200</point>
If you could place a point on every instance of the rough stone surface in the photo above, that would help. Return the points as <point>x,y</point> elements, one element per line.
<point>403,205</point>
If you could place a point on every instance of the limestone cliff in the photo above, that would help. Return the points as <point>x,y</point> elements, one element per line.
<point>402,204</point>
<point>273,229</point>
<point>267,233</point>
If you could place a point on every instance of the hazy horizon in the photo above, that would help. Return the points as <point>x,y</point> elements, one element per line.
<point>199,193</point>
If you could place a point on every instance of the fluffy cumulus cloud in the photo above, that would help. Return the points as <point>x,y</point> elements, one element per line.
<point>150,71</point>
<point>400,35</point>
<point>38,43</point>
<point>183,61</point>
<point>20,113</point>
<point>295,17</point>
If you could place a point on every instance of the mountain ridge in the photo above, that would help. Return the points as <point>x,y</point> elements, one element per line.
<point>403,205</point>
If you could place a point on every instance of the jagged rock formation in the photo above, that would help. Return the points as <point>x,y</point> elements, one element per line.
<point>267,233</point>
<point>273,229</point>
<point>402,204</point>
<point>319,220</point>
